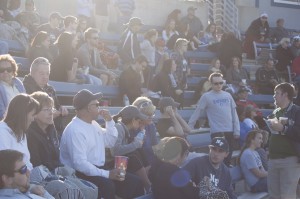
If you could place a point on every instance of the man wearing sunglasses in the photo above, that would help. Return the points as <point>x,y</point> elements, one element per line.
<point>220,109</point>
<point>14,181</point>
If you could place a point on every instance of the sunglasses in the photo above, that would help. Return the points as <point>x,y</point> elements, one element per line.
<point>218,83</point>
<point>9,70</point>
<point>22,170</point>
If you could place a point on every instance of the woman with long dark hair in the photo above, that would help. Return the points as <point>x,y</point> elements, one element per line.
<point>251,164</point>
<point>19,116</point>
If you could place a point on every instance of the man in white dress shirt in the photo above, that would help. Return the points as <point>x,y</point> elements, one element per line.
<point>83,146</point>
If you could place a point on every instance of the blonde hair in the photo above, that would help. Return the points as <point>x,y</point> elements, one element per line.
<point>148,110</point>
<point>284,39</point>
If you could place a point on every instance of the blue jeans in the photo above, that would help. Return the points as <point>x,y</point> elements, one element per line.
<point>260,186</point>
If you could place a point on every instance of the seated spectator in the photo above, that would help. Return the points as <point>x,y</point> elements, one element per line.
<point>210,34</point>
<point>129,46</point>
<point>42,137</point>
<point>193,21</point>
<point>13,9</point>
<point>14,178</point>
<point>182,69</point>
<point>148,50</point>
<point>70,24</point>
<point>230,47</point>
<point>169,30</point>
<point>64,67</point>
<point>83,146</point>
<point>263,150</point>
<point>19,116</point>
<point>33,15</point>
<point>167,178</point>
<point>266,78</point>
<point>37,80</point>
<point>161,54</point>
<point>52,26</point>
<point>284,56</point>
<point>40,47</point>
<point>279,31</point>
<point>253,33</point>
<point>89,56</point>
<point>212,168</point>
<point>170,122</point>
<point>251,164</point>
<point>237,75</point>
<point>129,144</point>
<point>147,108</point>
<point>131,79</point>
<point>216,66</point>
<point>295,48</point>
<point>165,81</point>
<point>176,16</point>
<point>10,85</point>
<point>81,28</point>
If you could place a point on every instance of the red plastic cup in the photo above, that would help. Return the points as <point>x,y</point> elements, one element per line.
<point>121,162</point>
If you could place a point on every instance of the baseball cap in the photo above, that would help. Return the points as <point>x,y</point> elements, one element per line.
<point>264,15</point>
<point>220,142</point>
<point>56,15</point>
<point>243,89</point>
<point>167,101</point>
<point>134,21</point>
<point>84,97</point>
<point>191,8</point>
<point>130,112</point>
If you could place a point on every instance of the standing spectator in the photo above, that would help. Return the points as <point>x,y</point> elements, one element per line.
<point>81,28</point>
<point>279,31</point>
<point>284,56</point>
<point>129,46</point>
<point>237,75</point>
<point>170,122</point>
<point>89,56</point>
<point>169,30</point>
<point>220,109</point>
<point>52,27</point>
<point>211,166</point>
<point>148,50</point>
<point>125,9</point>
<point>14,178</point>
<point>284,167</point>
<point>254,32</point>
<point>168,179</point>
<point>40,47</point>
<point>175,15</point>
<point>83,146</point>
<point>37,80</point>
<point>20,113</point>
<point>131,79</point>
<point>296,46</point>
<point>251,164</point>
<point>10,85</point>
<point>194,22</point>
<point>266,78</point>
<point>230,47</point>
<point>64,67</point>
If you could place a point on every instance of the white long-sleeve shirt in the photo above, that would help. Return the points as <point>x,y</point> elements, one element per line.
<point>83,146</point>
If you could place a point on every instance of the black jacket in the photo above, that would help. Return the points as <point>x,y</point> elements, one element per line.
<point>43,147</point>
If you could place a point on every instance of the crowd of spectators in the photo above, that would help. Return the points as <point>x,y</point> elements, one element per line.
<point>68,49</point>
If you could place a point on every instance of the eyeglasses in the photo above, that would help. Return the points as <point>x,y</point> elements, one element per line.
<point>218,83</point>
<point>9,70</point>
<point>49,110</point>
<point>22,170</point>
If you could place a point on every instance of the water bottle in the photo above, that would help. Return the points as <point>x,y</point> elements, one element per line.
<point>126,100</point>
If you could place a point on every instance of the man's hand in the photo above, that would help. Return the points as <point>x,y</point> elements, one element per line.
<point>117,174</point>
<point>105,114</point>
<point>276,125</point>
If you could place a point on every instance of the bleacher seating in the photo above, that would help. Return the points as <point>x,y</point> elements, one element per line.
<point>193,82</point>
<point>23,65</point>
<point>200,56</point>
<point>261,99</point>
<point>200,69</point>
<point>263,51</point>
<point>14,47</point>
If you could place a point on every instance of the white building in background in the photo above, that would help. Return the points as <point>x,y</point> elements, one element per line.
<point>154,12</point>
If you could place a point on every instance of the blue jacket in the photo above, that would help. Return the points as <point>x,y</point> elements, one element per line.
<point>3,97</point>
